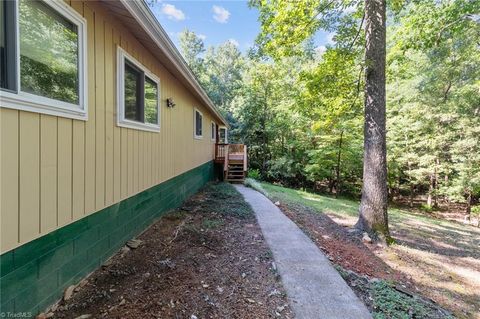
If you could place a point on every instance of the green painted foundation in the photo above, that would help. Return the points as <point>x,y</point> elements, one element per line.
<point>34,276</point>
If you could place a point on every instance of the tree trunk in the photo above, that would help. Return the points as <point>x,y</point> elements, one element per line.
<point>435,184</point>
<point>412,190</point>
<point>430,191</point>
<point>373,216</point>
<point>469,205</point>
<point>339,157</point>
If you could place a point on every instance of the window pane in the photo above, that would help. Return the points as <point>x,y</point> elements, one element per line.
<point>133,108</point>
<point>48,53</point>
<point>198,124</point>
<point>151,101</point>
<point>213,131</point>
<point>7,45</point>
<point>3,62</point>
<point>223,135</point>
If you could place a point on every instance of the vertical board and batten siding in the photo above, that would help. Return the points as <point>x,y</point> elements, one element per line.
<point>55,170</point>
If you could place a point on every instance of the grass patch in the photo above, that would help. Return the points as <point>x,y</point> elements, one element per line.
<point>212,223</point>
<point>342,207</point>
<point>223,198</point>
<point>389,303</point>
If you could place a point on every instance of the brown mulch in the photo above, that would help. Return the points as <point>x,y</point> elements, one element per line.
<point>342,247</point>
<point>197,262</point>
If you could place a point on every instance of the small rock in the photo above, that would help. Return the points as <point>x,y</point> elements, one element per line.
<point>281,308</point>
<point>274,292</point>
<point>50,315</point>
<point>250,300</point>
<point>107,263</point>
<point>134,243</point>
<point>54,307</point>
<point>244,275</point>
<point>193,317</point>
<point>124,250</point>
<point>220,290</point>
<point>277,203</point>
<point>122,302</point>
<point>41,316</point>
<point>205,286</point>
<point>274,266</point>
<point>68,293</point>
<point>167,262</point>
<point>366,238</point>
<point>86,316</point>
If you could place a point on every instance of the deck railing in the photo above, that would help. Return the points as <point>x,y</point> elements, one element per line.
<point>234,152</point>
<point>221,151</point>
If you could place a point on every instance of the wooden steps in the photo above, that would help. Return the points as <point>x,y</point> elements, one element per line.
<point>235,172</point>
<point>234,159</point>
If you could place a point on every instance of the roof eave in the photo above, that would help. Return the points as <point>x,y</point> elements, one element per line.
<point>143,15</point>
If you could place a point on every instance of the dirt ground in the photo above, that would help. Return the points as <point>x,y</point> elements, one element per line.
<point>341,247</point>
<point>205,260</point>
<point>393,296</point>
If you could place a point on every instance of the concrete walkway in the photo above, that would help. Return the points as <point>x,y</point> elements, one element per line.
<point>314,287</point>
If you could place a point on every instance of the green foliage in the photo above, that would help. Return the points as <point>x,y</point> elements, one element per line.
<point>254,173</point>
<point>301,111</point>
<point>476,210</point>
<point>223,198</point>
<point>212,223</point>
<point>390,303</point>
<point>426,208</point>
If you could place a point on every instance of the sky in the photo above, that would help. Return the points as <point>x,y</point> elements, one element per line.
<point>216,22</point>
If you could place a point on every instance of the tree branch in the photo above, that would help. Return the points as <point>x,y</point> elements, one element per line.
<point>358,33</point>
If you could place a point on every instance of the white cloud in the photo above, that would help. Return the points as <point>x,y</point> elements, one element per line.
<point>202,36</point>
<point>234,42</point>
<point>330,39</point>
<point>220,14</point>
<point>350,9</point>
<point>172,12</point>
<point>321,49</point>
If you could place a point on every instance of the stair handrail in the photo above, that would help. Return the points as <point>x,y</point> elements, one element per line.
<point>225,163</point>
<point>244,158</point>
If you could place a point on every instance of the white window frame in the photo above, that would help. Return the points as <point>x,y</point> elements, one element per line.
<point>213,126</point>
<point>40,104</point>
<point>122,55</point>
<point>226,133</point>
<point>198,137</point>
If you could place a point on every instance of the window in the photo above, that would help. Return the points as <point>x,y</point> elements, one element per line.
<point>223,138</point>
<point>138,95</point>
<point>42,58</point>
<point>213,131</point>
<point>198,123</point>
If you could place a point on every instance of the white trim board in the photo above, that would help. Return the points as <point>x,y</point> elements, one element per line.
<point>122,55</point>
<point>198,137</point>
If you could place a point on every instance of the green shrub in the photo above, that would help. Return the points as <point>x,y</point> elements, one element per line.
<point>426,208</point>
<point>476,210</point>
<point>254,173</point>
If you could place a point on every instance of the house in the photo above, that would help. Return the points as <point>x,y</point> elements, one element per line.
<point>103,127</point>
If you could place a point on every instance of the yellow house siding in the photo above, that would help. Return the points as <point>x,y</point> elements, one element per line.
<point>9,178</point>
<point>56,170</point>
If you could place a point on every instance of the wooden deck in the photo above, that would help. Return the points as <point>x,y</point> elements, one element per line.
<point>234,160</point>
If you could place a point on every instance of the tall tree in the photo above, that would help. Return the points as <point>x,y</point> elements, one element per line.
<point>373,216</point>
<point>192,48</point>
<point>285,25</point>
